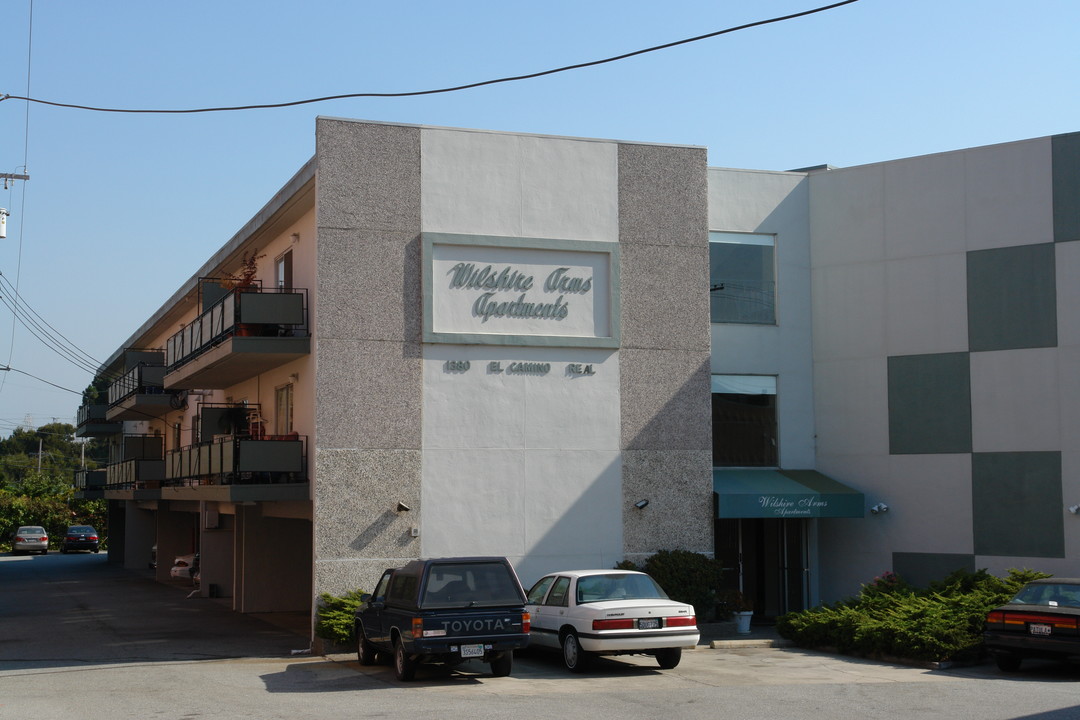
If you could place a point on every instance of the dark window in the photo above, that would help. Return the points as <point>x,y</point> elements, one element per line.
<point>742,278</point>
<point>283,270</point>
<point>403,589</point>
<point>380,590</point>
<point>744,421</point>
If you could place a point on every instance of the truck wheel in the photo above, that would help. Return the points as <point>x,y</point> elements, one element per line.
<point>366,653</point>
<point>668,658</point>
<point>1007,662</point>
<point>502,663</point>
<point>575,659</point>
<point>404,666</point>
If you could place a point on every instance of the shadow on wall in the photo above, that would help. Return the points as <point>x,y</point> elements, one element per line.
<point>377,528</point>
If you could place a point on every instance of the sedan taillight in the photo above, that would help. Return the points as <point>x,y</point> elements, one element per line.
<point>680,621</point>
<point>613,624</point>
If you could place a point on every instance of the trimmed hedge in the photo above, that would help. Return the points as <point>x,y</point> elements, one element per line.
<point>336,615</point>
<point>891,618</point>
<point>686,576</point>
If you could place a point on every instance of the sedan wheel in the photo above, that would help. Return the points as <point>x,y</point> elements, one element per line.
<point>574,657</point>
<point>668,658</point>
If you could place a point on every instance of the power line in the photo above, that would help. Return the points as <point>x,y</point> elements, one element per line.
<point>69,352</point>
<point>21,372</point>
<point>456,88</point>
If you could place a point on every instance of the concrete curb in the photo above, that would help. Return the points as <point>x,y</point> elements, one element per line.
<point>750,643</point>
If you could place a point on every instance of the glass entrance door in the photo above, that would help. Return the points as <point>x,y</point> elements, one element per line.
<point>767,560</point>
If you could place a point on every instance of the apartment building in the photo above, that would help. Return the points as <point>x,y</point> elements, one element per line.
<point>571,351</point>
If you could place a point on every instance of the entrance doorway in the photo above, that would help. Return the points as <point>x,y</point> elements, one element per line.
<point>768,560</point>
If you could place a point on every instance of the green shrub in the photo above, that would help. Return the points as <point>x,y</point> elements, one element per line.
<point>335,617</point>
<point>890,618</point>
<point>688,577</point>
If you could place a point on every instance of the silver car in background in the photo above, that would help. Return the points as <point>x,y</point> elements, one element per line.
<point>30,539</point>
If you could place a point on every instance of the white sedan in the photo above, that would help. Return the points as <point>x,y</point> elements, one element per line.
<point>609,612</point>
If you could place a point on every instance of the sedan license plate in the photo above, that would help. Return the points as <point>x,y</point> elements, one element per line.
<point>472,651</point>
<point>1038,629</point>
<point>648,624</point>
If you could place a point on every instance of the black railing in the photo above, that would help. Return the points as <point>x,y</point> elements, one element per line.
<point>143,379</point>
<point>250,311</point>
<point>239,460</point>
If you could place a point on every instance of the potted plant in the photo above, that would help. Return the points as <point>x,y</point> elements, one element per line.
<point>244,281</point>
<point>739,607</point>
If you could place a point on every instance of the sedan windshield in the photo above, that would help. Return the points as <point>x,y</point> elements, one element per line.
<point>618,586</point>
<point>1049,595</point>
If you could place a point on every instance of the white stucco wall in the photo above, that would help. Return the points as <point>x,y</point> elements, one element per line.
<point>521,464</point>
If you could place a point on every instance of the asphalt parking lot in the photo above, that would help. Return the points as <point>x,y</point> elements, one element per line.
<point>77,634</point>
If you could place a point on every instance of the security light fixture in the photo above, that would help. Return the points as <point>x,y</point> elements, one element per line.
<point>1074,509</point>
<point>879,508</point>
<point>641,504</point>
<point>402,507</point>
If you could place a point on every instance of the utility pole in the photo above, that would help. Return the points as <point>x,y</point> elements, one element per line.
<point>7,178</point>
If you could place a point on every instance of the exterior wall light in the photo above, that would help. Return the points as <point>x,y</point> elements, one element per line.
<point>402,507</point>
<point>879,508</point>
<point>640,504</point>
<point>1074,509</point>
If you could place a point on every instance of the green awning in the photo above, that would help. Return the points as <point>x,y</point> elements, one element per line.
<point>784,494</point>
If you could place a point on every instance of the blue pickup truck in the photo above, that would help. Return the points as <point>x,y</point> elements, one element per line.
<point>444,610</point>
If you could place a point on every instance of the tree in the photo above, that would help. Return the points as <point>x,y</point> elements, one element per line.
<point>29,496</point>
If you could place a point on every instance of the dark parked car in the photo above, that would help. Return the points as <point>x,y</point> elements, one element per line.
<point>1042,621</point>
<point>29,539</point>
<point>446,611</point>
<point>80,537</point>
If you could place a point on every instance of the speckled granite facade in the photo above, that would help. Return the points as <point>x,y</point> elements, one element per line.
<point>367,300</point>
<point>664,360</point>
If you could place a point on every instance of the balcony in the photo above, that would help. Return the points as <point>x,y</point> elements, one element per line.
<point>139,394</point>
<point>247,332</point>
<point>239,468</point>
<point>90,484</point>
<point>136,468</point>
<point>93,422</point>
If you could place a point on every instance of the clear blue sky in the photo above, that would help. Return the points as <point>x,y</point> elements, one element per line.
<point>121,209</point>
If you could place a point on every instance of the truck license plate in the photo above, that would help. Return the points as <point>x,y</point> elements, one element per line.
<point>648,623</point>
<point>1038,629</point>
<point>472,651</point>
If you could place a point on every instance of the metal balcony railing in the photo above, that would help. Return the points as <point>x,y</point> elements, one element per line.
<point>239,460</point>
<point>136,462</point>
<point>143,379</point>
<point>90,479</point>
<point>251,311</point>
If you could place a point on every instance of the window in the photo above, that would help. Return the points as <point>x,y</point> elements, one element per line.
<point>559,596</point>
<point>742,278</point>
<point>744,421</point>
<point>283,410</point>
<point>283,270</point>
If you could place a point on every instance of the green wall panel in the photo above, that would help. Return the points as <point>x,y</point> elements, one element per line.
<point>1065,151</point>
<point>1017,504</point>
<point>921,569</point>
<point>1012,298</point>
<point>929,404</point>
